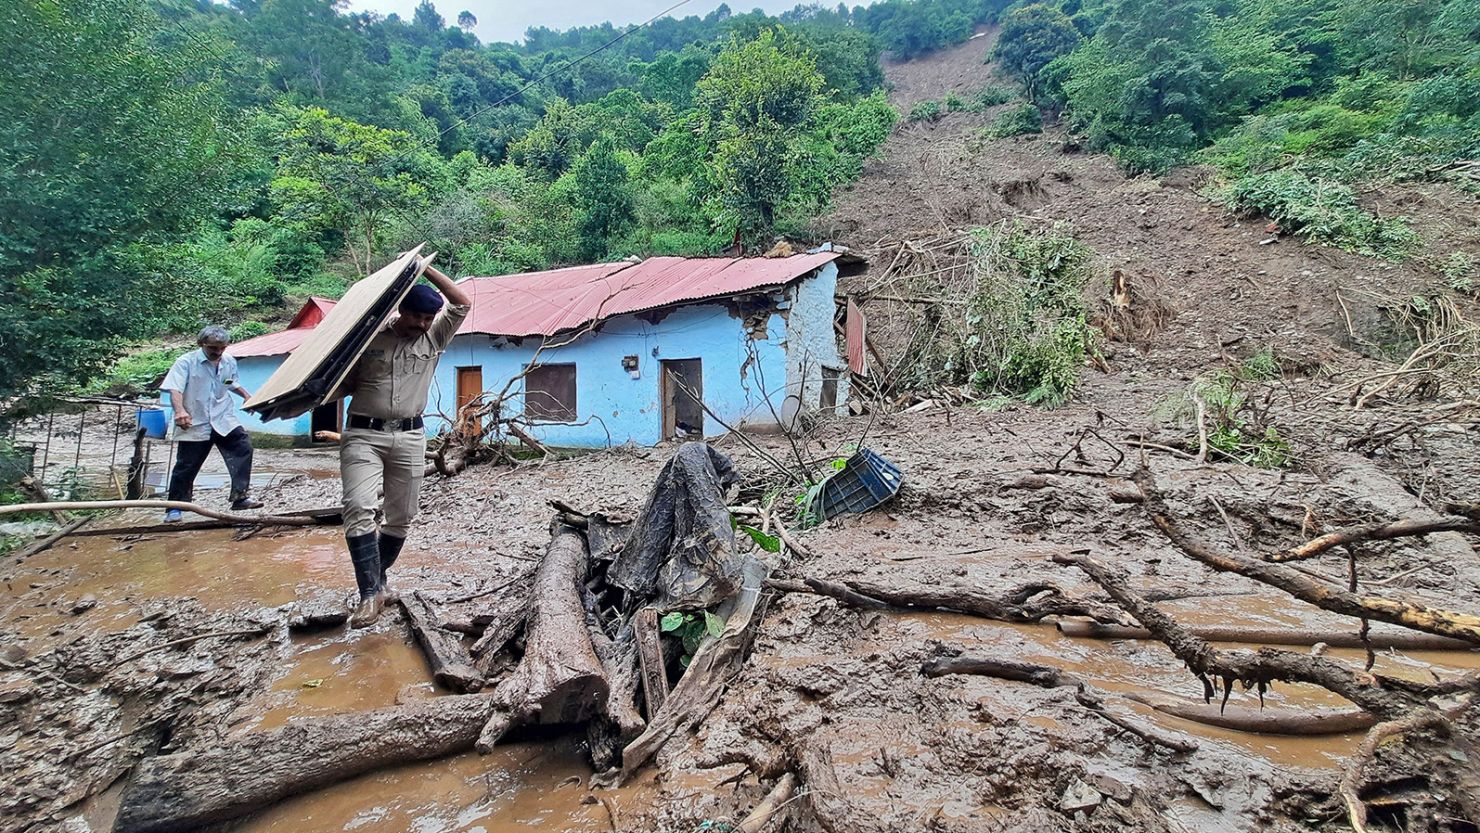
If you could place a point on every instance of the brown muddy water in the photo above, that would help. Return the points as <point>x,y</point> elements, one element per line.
<point>543,783</point>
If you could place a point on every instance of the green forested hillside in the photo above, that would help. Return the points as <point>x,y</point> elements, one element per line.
<point>170,162</point>
<point>1295,101</point>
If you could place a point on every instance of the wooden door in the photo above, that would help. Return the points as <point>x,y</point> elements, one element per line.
<point>469,391</point>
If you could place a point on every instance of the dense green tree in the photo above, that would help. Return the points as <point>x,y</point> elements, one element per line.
<point>603,199</point>
<point>112,145</point>
<point>756,96</point>
<point>1032,37</point>
<point>351,178</point>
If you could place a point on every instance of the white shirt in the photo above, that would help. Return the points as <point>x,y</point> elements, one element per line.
<point>206,389</point>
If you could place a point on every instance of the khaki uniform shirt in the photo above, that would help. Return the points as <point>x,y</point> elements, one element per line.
<point>391,379</point>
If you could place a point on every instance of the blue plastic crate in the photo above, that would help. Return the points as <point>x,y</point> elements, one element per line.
<point>864,482</point>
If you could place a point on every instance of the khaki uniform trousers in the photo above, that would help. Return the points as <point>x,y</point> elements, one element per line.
<point>370,459</point>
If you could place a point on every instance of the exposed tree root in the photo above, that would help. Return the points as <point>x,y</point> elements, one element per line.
<point>1351,782</point>
<point>766,810</point>
<point>1275,636</point>
<point>1263,721</point>
<point>1254,670</point>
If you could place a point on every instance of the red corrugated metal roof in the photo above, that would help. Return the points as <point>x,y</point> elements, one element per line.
<point>546,303</point>
<point>282,343</point>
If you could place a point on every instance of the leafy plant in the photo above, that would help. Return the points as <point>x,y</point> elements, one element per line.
<point>136,371</point>
<point>926,111</point>
<point>1459,272</point>
<point>1025,118</point>
<point>769,543</point>
<point>1238,424</point>
<point>954,102</point>
<point>1029,329</point>
<point>690,629</point>
<point>1321,210</point>
<point>991,96</point>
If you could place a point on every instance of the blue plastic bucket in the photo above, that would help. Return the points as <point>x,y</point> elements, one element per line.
<point>153,422</point>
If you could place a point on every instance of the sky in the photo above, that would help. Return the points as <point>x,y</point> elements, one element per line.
<point>506,20</point>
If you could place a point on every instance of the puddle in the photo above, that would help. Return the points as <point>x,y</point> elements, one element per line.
<point>330,674</point>
<point>533,784</point>
<point>123,576</point>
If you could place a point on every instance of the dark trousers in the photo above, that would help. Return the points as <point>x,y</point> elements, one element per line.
<point>236,450</point>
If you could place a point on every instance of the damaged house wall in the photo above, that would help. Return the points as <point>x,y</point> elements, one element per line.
<point>812,344</point>
<point>760,354</point>
<point>783,340</point>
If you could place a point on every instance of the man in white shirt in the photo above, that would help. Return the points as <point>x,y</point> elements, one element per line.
<point>205,416</point>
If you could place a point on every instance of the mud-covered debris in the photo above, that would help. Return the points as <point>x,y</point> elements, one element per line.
<point>1079,796</point>
<point>324,610</point>
<point>84,604</point>
<point>17,690</point>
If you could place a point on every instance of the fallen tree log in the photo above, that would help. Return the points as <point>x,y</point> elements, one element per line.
<point>46,543</point>
<point>619,721</point>
<point>654,672</point>
<point>1026,603</point>
<point>779,796</point>
<point>714,665</point>
<point>1273,636</point>
<point>1045,676</point>
<point>450,663</point>
<point>501,623</point>
<point>79,505</point>
<point>560,679</point>
<point>1255,669</point>
<point>1329,597</point>
<point>188,789</point>
<point>1306,722</point>
<point>1374,532</point>
<point>827,798</point>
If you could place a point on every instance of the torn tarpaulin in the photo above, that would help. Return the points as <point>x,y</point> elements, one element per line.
<point>681,552</point>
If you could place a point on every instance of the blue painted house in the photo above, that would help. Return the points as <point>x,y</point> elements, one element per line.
<point>615,352</point>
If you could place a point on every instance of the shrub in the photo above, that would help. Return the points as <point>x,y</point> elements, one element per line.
<point>992,95</point>
<point>1030,332</point>
<point>136,371</point>
<point>1238,424</point>
<point>1022,119</point>
<point>1321,210</point>
<point>926,111</point>
<point>249,329</point>
<point>1459,272</point>
<point>954,102</point>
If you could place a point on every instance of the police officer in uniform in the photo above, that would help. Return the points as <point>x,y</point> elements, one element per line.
<point>384,444</point>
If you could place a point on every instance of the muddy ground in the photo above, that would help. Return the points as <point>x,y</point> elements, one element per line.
<point>910,753</point>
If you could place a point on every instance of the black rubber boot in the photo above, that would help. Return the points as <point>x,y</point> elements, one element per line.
<point>364,552</point>
<point>390,550</point>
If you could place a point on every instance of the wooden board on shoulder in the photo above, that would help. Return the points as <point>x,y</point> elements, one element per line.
<point>319,365</point>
